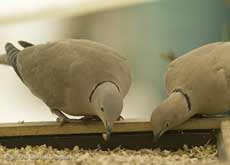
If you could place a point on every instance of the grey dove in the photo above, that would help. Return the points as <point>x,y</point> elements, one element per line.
<point>77,77</point>
<point>196,83</point>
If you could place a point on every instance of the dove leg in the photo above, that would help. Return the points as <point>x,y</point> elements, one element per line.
<point>90,118</point>
<point>120,118</point>
<point>96,118</point>
<point>61,117</point>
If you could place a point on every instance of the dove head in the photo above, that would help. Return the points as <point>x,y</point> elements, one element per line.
<point>170,113</point>
<point>108,104</point>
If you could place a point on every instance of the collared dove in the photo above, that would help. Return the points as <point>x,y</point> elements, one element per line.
<point>197,83</point>
<point>77,77</point>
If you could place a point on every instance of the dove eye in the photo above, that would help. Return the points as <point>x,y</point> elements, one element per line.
<point>166,124</point>
<point>102,109</point>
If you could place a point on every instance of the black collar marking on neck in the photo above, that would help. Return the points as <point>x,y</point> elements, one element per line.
<point>186,98</point>
<point>94,89</point>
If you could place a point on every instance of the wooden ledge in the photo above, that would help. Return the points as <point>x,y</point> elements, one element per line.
<point>224,141</point>
<point>92,127</point>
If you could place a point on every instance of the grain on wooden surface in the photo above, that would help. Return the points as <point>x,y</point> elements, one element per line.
<point>48,155</point>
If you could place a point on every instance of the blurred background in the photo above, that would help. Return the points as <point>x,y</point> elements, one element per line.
<point>139,29</point>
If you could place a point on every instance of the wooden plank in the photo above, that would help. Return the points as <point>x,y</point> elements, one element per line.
<point>224,141</point>
<point>92,127</point>
<point>220,147</point>
<point>171,140</point>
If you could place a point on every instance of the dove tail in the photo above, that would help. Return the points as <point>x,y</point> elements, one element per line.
<point>25,44</point>
<point>11,52</point>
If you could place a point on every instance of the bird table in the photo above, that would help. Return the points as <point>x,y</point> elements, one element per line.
<point>131,134</point>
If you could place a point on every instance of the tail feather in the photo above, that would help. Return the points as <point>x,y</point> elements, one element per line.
<point>25,44</point>
<point>11,52</point>
<point>169,56</point>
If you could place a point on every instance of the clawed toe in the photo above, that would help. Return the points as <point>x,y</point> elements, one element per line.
<point>120,118</point>
<point>62,121</point>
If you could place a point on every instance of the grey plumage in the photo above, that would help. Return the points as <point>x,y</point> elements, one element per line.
<point>78,77</point>
<point>196,83</point>
<point>25,44</point>
<point>11,52</point>
<point>4,58</point>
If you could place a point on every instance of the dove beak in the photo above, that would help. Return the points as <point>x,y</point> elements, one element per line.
<point>108,127</point>
<point>156,136</point>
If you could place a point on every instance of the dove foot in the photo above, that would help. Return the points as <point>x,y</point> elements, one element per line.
<point>62,119</point>
<point>67,120</point>
<point>90,118</point>
<point>120,118</point>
